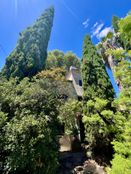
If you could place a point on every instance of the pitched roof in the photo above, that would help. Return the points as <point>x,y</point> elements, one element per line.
<point>75,77</point>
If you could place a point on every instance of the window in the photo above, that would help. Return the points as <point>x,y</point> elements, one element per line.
<point>80,82</point>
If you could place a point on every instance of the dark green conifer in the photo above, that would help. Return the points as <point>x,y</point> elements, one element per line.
<point>31,51</point>
<point>96,82</point>
<point>97,96</point>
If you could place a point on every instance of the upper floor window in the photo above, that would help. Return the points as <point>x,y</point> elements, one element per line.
<point>80,82</point>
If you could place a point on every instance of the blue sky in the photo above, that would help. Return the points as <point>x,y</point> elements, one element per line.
<point>73,19</point>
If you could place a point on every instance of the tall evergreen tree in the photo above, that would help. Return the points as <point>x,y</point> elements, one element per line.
<point>97,96</point>
<point>31,51</point>
<point>96,82</point>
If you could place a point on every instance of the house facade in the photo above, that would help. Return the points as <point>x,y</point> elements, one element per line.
<point>74,76</point>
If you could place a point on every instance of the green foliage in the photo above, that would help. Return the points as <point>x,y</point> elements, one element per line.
<point>29,97</point>
<point>30,53</point>
<point>69,113</point>
<point>121,162</point>
<point>97,97</point>
<point>31,146</point>
<point>129,53</point>
<point>32,107</point>
<point>117,53</point>
<point>3,121</point>
<point>71,60</point>
<point>123,72</point>
<point>122,158</point>
<point>57,58</point>
<point>57,78</point>
<point>120,52</point>
<point>109,35</point>
<point>120,47</point>
<point>99,122</point>
<point>120,165</point>
<point>96,82</point>
<point>125,27</point>
<point>54,74</point>
<point>122,144</point>
<point>115,23</point>
<point>125,33</point>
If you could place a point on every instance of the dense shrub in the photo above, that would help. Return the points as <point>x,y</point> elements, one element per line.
<point>31,146</point>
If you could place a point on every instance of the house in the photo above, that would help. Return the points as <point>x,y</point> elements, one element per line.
<point>74,76</point>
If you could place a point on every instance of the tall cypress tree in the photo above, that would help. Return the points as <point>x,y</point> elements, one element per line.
<point>97,96</point>
<point>31,51</point>
<point>96,81</point>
